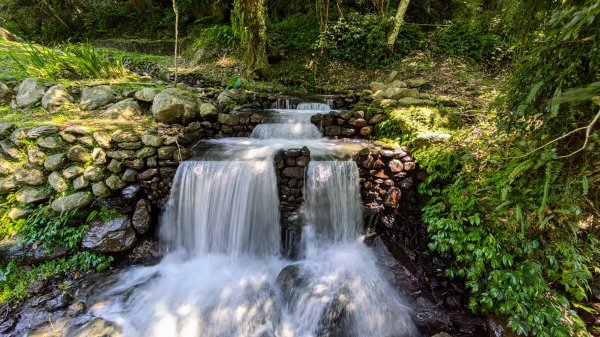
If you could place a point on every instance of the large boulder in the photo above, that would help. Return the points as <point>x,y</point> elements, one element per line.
<point>146,95</point>
<point>124,109</point>
<point>73,201</point>
<point>30,92</point>
<point>110,236</point>
<point>56,96</point>
<point>430,138</point>
<point>96,97</point>
<point>173,106</point>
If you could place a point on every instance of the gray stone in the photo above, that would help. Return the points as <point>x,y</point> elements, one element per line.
<point>130,145</point>
<point>166,152</point>
<point>396,166</point>
<point>365,131</point>
<point>208,112</point>
<point>181,154</point>
<point>58,183</point>
<point>130,175</point>
<point>146,94</point>
<point>112,236</point>
<point>35,156</point>
<point>5,94</point>
<point>67,137</point>
<point>103,139</point>
<point>41,131</point>
<point>72,172</point>
<point>332,131</point>
<point>86,141</point>
<point>96,97</point>
<point>136,164</point>
<point>125,137</point>
<point>152,140</point>
<point>56,96</point>
<point>172,106</point>
<point>55,162</point>
<point>293,172</point>
<point>98,156</point>
<point>376,119</point>
<point>121,154</point>
<point>31,195</point>
<point>114,182</point>
<point>30,92</point>
<point>148,174</point>
<point>141,216</point>
<point>80,130</point>
<point>32,177</point>
<point>78,154</point>
<point>428,139</point>
<point>115,166</point>
<point>124,110</point>
<point>19,136</point>
<point>11,150</point>
<point>5,129</point>
<point>100,189</point>
<point>73,201</point>
<point>93,173</point>
<point>145,152</point>
<point>17,213</point>
<point>229,99</point>
<point>7,185</point>
<point>80,183</point>
<point>228,119</point>
<point>152,161</point>
<point>5,167</point>
<point>49,143</point>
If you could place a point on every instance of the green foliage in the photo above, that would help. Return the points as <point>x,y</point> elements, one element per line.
<point>211,42</point>
<point>362,39</point>
<point>7,225</point>
<point>296,33</point>
<point>44,226</point>
<point>234,83</point>
<point>69,61</point>
<point>468,38</point>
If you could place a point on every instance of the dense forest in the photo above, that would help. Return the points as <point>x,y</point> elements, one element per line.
<point>511,197</point>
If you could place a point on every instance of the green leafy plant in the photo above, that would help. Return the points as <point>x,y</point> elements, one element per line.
<point>296,33</point>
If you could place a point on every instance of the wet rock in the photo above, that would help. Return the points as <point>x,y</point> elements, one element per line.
<point>100,189</point>
<point>172,106</point>
<point>293,172</point>
<point>78,154</point>
<point>442,334</point>
<point>130,175</point>
<point>98,328</point>
<point>56,96</point>
<point>497,327</point>
<point>141,216</point>
<point>103,139</point>
<point>112,236</point>
<point>30,92</point>
<point>146,94</point>
<point>332,131</point>
<point>72,172</point>
<point>31,195</point>
<point>432,320</point>
<point>41,131</point>
<point>73,201</point>
<point>124,110</point>
<point>32,177</point>
<point>130,192</point>
<point>58,183</point>
<point>290,279</point>
<point>76,309</point>
<point>148,174</point>
<point>96,97</point>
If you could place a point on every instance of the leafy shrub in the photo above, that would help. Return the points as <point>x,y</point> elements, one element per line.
<point>296,33</point>
<point>210,43</point>
<point>72,61</point>
<point>362,39</point>
<point>466,37</point>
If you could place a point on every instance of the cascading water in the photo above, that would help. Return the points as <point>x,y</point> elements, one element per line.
<point>223,275</point>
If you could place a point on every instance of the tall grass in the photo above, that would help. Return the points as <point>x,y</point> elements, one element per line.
<point>70,61</point>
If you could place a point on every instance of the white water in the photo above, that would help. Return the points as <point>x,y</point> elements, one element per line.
<point>219,278</point>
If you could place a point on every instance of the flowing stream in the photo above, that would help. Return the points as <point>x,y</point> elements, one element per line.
<point>223,275</point>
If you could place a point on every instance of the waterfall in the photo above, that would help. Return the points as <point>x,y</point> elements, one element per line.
<point>223,275</point>
<point>223,207</point>
<point>333,206</point>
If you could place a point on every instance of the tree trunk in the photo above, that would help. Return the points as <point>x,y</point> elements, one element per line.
<point>176,11</point>
<point>251,16</point>
<point>398,20</point>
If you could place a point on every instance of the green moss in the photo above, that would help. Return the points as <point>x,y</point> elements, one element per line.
<point>412,120</point>
<point>10,69</point>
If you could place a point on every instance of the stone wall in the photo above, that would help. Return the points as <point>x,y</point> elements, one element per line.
<point>347,124</point>
<point>290,168</point>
